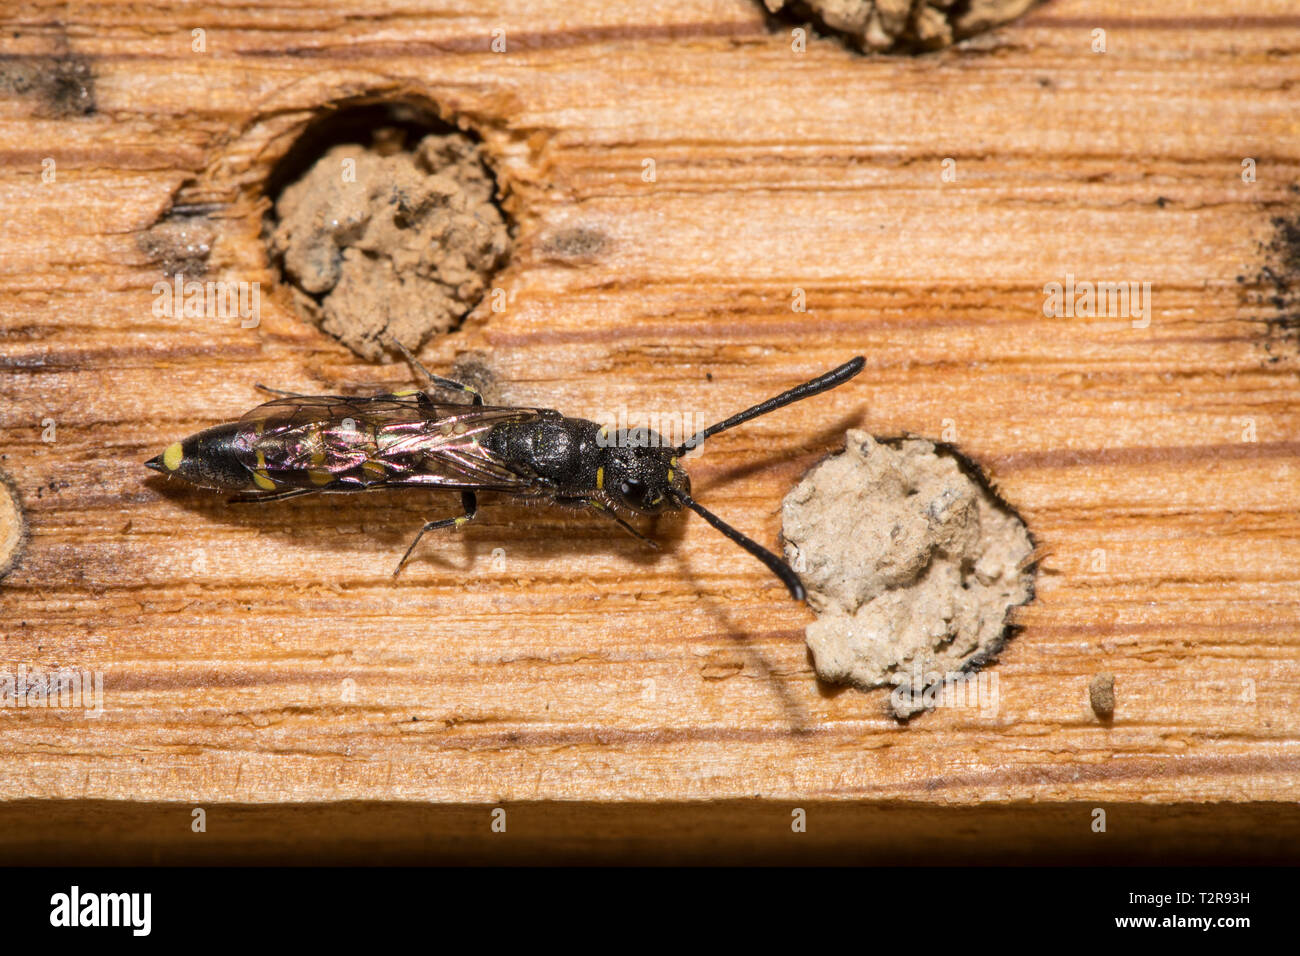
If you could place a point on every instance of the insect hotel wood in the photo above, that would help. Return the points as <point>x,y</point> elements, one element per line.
<point>702,212</point>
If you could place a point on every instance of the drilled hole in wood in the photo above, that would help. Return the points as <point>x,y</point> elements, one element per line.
<point>13,526</point>
<point>913,565</point>
<point>898,26</point>
<point>385,223</point>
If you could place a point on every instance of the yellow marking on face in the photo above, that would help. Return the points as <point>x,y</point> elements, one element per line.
<point>172,456</point>
<point>600,478</point>
<point>672,462</point>
<point>670,474</point>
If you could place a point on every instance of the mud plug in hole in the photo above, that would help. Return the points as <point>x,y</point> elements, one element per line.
<point>385,222</point>
<point>13,526</point>
<point>912,567</point>
<point>900,26</point>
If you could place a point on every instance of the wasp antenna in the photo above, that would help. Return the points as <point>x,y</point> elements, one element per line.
<point>774,564</point>
<point>820,384</point>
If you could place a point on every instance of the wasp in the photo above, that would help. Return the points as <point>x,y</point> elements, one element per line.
<point>308,444</point>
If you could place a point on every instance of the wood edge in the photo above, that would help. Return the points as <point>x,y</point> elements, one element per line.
<point>751,832</point>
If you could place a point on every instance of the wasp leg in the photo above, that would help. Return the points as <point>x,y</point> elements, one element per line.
<point>437,379</point>
<point>279,391</point>
<point>467,501</point>
<point>601,509</point>
<point>407,395</point>
<point>278,496</point>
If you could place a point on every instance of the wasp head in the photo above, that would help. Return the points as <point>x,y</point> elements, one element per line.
<point>639,471</point>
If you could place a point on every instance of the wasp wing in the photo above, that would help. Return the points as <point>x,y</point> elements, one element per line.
<point>298,410</point>
<point>343,443</point>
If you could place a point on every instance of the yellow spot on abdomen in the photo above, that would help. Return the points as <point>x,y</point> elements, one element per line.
<point>172,456</point>
<point>260,477</point>
<point>318,473</point>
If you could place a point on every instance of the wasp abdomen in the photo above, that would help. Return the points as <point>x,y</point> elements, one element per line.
<point>209,459</point>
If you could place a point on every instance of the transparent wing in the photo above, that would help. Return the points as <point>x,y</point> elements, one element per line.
<point>341,443</point>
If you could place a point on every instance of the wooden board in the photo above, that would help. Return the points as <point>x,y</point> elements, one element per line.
<point>261,663</point>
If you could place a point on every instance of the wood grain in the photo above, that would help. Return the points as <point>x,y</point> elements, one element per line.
<point>263,658</point>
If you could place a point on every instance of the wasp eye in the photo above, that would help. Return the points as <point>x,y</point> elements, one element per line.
<point>636,494</point>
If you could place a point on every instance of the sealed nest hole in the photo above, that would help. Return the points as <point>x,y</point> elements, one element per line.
<point>913,566</point>
<point>13,526</point>
<point>385,223</point>
<point>900,26</point>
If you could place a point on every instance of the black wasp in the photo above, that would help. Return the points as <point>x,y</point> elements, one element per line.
<point>305,444</point>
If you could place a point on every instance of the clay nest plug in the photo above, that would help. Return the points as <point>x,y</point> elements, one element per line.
<point>13,526</point>
<point>902,26</point>
<point>383,240</point>
<point>911,566</point>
